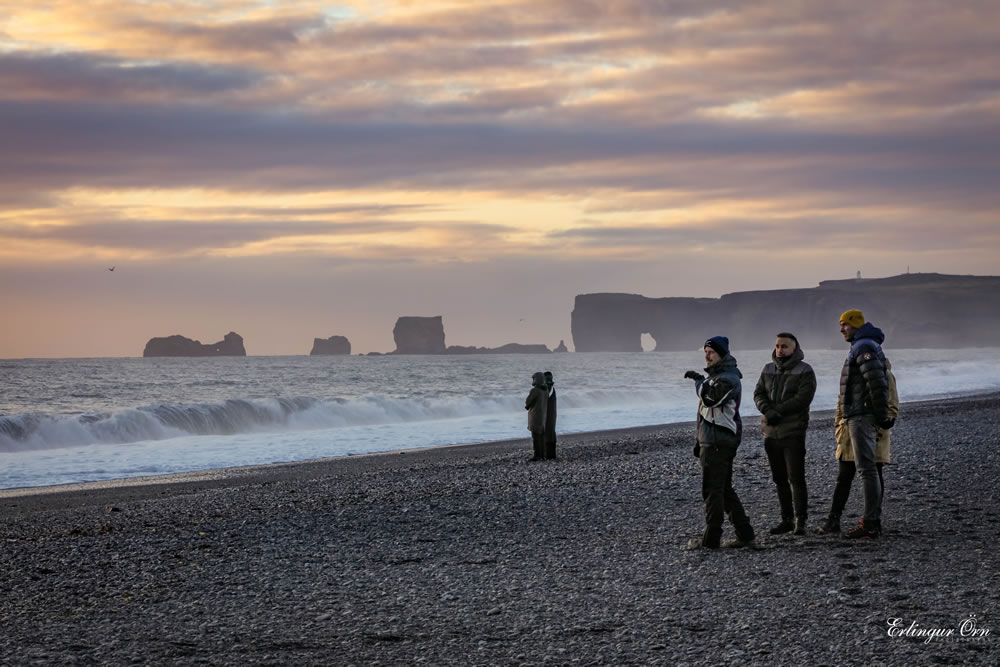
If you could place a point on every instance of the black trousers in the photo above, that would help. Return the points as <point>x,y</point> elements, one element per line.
<point>550,446</point>
<point>720,497</point>
<point>538,443</point>
<point>846,472</point>
<point>787,458</point>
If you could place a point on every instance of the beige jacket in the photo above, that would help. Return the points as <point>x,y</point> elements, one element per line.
<point>845,450</point>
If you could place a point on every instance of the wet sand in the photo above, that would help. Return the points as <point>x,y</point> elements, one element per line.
<point>471,555</point>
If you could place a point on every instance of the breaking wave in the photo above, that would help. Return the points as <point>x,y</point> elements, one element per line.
<point>34,431</point>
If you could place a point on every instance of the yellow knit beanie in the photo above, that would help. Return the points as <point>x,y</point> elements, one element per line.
<point>853,317</point>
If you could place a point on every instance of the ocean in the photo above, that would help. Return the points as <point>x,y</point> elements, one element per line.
<point>78,420</point>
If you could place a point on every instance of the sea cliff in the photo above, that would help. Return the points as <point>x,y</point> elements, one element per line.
<point>913,310</point>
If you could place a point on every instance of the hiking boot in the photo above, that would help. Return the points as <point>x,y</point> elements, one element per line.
<point>699,543</point>
<point>865,530</point>
<point>786,526</point>
<point>738,543</point>
<point>800,526</point>
<point>830,527</point>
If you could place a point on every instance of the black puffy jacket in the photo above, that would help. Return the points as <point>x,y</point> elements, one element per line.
<point>864,384</point>
<point>786,386</point>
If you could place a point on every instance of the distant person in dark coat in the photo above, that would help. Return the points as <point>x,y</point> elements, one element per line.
<point>550,418</point>
<point>719,432</point>
<point>783,394</point>
<point>537,405</point>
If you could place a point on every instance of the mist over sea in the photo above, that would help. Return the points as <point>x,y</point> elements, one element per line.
<point>76,420</point>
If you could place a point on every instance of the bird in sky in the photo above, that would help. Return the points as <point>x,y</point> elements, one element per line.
<point>112,268</point>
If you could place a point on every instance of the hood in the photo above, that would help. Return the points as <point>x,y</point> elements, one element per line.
<point>538,379</point>
<point>726,364</point>
<point>869,330</point>
<point>789,361</point>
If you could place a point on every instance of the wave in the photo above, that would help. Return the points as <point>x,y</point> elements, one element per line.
<point>34,431</point>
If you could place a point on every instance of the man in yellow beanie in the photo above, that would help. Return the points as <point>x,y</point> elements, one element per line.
<point>846,469</point>
<point>864,403</point>
<point>854,318</point>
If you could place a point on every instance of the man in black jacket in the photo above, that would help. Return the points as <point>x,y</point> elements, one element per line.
<point>864,403</point>
<point>719,433</point>
<point>783,394</point>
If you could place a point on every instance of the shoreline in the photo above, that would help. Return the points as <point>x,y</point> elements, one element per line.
<point>149,485</point>
<point>470,555</point>
<point>311,468</point>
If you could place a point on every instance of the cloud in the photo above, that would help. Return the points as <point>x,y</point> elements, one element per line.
<point>171,237</point>
<point>81,76</point>
<point>125,145</point>
<point>266,36</point>
<point>787,235</point>
<point>177,235</point>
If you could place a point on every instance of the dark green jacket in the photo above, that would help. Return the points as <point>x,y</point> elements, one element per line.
<point>786,387</point>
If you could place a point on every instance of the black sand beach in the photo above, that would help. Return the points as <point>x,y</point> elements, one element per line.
<point>471,555</point>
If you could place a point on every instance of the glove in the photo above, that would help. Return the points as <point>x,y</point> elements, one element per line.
<point>697,451</point>
<point>887,423</point>
<point>694,375</point>
<point>772,417</point>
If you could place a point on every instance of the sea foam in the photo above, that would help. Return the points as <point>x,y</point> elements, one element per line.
<point>32,431</point>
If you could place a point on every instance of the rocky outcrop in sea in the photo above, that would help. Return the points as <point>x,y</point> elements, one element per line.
<point>178,346</point>
<point>333,345</point>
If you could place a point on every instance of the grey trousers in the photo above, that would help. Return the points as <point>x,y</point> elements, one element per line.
<point>863,434</point>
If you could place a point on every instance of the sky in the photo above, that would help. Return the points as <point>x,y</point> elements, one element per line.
<point>294,170</point>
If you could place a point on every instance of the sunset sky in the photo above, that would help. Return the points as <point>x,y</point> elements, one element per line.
<point>292,170</point>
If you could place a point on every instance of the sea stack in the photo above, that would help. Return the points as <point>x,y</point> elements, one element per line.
<point>330,346</point>
<point>419,335</point>
<point>179,346</point>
